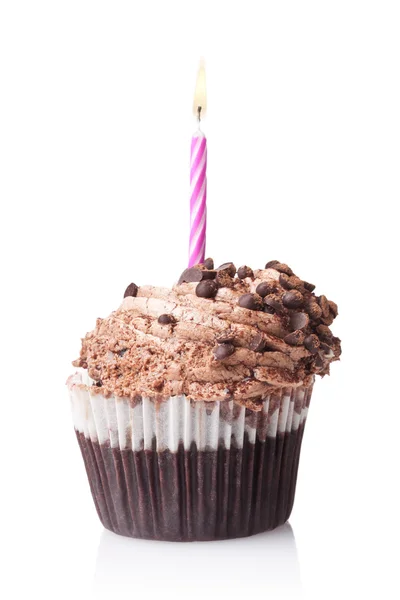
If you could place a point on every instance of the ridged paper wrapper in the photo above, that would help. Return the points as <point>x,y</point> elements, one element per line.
<point>182,470</point>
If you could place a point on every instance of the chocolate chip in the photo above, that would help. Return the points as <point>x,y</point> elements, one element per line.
<point>296,283</point>
<point>310,287</point>
<point>131,290</point>
<point>273,301</point>
<point>313,309</point>
<point>244,272</point>
<point>206,289</point>
<point>271,263</point>
<point>296,338</point>
<point>328,320</point>
<point>292,299</point>
<point>319,360</point>
<point>208,275</point>
<point>258,343</point>
<point>312,343</point>
<point>325,347</point>
<point>122,352</point>
<point>98,383</point>
<point>290,283</point>
<point>299,320</point>
<point>225,337</point>
<point>230,267</point>
<point>269,309</point>
<point>323,302</point>
<point>324,333</point>
<point>264,288</point>
<point>223,279</point>
<point>284,281</point>
<point>251,301</point>
<point>191,275</point>
<point>223,351</point>
<point>166,319</point>
<point>95,372</point>
<point>209,263</point>
<point>333,307</point>
<point>281,267</point>
<point>158,385</point>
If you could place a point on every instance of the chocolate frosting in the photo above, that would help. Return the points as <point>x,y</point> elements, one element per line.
<point>238,344</point>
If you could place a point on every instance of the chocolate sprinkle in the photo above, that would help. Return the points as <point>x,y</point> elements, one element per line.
<point>312,343</point>
<point>293,299</point>
<point>131,290</point>
<point>223,351</point>
<point>166,319</point>
<point>251,301</point>
<point>209,263</point>
<point>244,272</point>
<point>206,289</point>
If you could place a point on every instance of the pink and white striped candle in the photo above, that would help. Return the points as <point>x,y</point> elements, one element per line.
<point>198,178</point>
<point>198,199</point>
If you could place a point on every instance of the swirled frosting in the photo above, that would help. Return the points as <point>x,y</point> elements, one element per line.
<point>238,344</point>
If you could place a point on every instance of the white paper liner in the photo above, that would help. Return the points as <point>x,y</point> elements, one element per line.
<point>125,424</point>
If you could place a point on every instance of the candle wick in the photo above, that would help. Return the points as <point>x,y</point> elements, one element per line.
<point>198,118</point>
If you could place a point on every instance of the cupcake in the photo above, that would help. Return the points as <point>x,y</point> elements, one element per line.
<point>189,404</point>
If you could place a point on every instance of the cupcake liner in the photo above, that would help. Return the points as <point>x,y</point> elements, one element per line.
<point>178,469</point>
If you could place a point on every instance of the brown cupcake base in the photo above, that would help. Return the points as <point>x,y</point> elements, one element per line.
<point>194,495</point>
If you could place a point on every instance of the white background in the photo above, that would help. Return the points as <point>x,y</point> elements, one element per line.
<point>303,135</point>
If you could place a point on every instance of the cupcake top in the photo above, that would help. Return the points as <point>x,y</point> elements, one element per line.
<point>219,334</point>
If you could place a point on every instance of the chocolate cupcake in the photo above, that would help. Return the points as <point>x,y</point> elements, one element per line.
<point>190,404</point>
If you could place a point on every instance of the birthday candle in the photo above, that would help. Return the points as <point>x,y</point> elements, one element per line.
<point>198,177</point>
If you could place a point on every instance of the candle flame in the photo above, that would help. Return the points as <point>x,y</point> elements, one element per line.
<point>200,97</point>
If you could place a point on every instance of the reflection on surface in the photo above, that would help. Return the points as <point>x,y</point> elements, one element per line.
<point>262,563</point>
